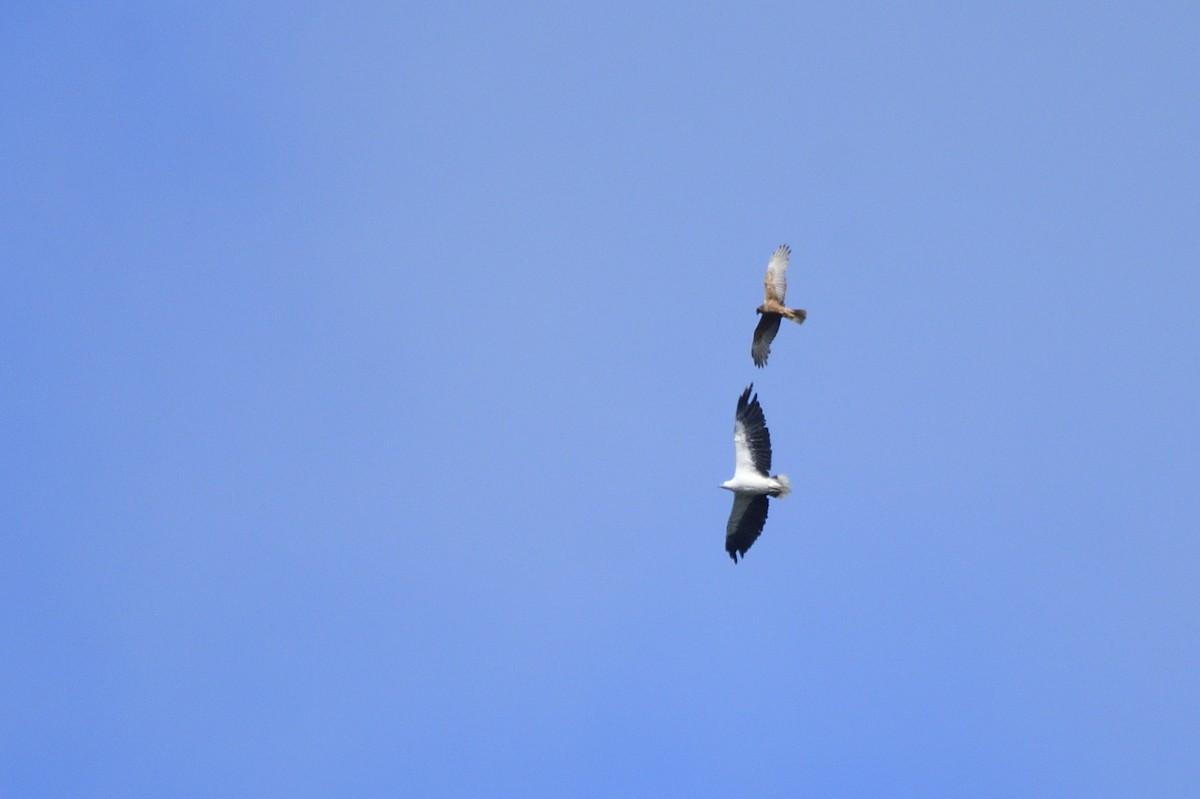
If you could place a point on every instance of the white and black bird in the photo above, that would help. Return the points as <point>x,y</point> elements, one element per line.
<point>773,310</point>
<point>752,481</point>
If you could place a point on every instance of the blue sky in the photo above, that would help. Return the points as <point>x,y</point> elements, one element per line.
<point>369,377</point>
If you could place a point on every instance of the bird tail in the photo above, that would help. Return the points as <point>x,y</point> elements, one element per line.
<point>797,315</point>
<point>785,485</point>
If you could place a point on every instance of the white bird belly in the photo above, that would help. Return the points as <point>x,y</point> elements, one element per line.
<point>751,484</point>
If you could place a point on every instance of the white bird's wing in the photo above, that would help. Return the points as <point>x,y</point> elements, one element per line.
<point>746,521</point>
<point>751,439</point>
<point>776,282</point>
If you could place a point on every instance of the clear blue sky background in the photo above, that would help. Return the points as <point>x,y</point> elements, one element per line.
<point>369,374</point>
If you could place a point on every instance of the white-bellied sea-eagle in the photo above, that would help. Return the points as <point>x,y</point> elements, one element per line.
<point>752,481</point>
<point>773,309</point>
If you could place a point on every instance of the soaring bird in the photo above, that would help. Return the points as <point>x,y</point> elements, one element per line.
<point>752,481</point>
<point>772,309</point>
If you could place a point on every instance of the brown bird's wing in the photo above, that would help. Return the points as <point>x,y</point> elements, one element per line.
<point>776,282</point>
<point>764,334</point>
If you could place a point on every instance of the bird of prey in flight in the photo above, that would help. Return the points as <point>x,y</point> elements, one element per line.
<point>752,481</point>
<point>773,309</point>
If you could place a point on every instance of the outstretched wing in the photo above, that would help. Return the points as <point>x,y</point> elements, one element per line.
<point>751,439</point>
<point>746,522</point>
<point>764,334</point>
<point>776,282</point>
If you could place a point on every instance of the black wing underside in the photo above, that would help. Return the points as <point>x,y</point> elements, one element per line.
<point>746,522</point>
<point>754,425</point>
<point>764,334</point>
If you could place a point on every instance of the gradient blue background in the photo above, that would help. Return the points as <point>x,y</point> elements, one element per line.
<point>369,374</point>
